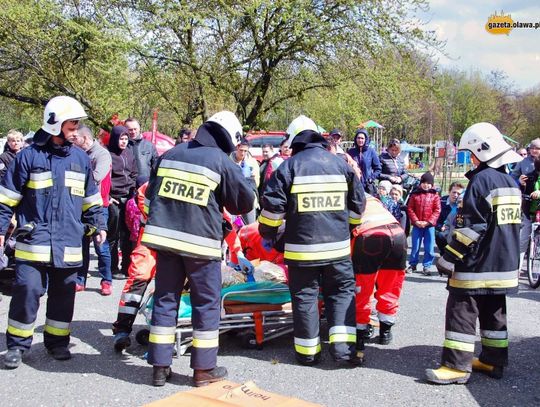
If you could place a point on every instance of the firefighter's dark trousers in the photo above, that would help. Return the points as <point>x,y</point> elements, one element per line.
<point>338,284</point>
<point>462,311</point>
<point>205,283</point>
<point>31,282</point>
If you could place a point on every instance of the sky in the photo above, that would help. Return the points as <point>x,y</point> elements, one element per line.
<point>470,47</point>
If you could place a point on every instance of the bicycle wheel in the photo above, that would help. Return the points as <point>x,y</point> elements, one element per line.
<point>533,263</point>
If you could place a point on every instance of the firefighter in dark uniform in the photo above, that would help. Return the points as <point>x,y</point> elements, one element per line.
<point>314,191</point>
<point>186,195</point>
<point>50,188</point>
<point>479,275</point>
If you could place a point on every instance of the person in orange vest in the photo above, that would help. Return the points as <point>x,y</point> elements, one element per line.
<point>379,252</point>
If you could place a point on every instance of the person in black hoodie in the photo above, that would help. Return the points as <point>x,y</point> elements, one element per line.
<point>123,177</point>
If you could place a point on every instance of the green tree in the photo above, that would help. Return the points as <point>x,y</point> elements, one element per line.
<point>259,54</point>
<point>49,48</point>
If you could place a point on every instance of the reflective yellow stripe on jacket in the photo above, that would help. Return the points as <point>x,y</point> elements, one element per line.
<point>92,200</point>
<point>75,180</point>
<point>40,180</point>
<point>73,254</point>
<point>9,197</point>
<point>506,279</point>
<point>320,251</point>
<point>181,241</point>
<point>189,172</point>
<point>506,203</point>
<point>32,252</point>
<point>271,219</point>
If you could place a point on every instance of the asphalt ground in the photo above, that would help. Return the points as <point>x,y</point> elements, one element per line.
<point>392,374</point>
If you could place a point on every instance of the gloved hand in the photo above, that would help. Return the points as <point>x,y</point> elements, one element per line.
<point>267,244</point>
<point>244,263</point>
<point>444,267</point>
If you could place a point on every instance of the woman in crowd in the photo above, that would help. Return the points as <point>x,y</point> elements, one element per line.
<point>15,143</point>
<point>393,167</point>
<point>367,160</point>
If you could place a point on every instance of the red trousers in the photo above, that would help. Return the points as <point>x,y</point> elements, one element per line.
<point>141,271</point>
<point>389,284</point>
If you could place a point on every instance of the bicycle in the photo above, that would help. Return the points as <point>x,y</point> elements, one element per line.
<point>533,260</point>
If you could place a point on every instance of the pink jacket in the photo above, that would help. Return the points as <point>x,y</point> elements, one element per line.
<point>133,219</point>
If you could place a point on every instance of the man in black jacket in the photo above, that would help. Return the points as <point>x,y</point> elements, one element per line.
<point>481,261</point>
<point>144,151</point>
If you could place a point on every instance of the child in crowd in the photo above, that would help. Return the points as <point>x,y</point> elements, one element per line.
<point>423,209</point>
<point>395,204</point>
<point>384,191</point>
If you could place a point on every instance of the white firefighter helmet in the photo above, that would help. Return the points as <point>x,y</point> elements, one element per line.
<point>298,125</point>
<point>59,110</point>
<point>230,123</point>
<point>486,142</point>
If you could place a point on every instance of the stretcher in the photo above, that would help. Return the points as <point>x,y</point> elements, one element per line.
<point>258,312</point>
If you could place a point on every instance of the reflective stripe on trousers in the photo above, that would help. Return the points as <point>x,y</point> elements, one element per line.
<point>57,328</point>
<point>462,312</point>
<point>20,329</point>
<point>162,334</point>
<point>342,334</point>
<point>308,347</point>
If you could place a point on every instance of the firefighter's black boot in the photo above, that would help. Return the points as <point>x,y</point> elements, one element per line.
<point>160,375</point>
<point>13,358</point>
<point>385,333</point>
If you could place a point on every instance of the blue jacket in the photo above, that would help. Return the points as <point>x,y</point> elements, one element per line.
<point>446,209</point>
<point>53,194</point>
<point>367,159</point>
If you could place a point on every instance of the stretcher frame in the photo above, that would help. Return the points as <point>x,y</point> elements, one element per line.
<point>260,325</point>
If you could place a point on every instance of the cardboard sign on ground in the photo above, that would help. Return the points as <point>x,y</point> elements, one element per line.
<point>225,393</point>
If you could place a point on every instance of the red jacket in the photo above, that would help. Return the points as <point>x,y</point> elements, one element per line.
<point>424,206</point>
<point>252,243</point>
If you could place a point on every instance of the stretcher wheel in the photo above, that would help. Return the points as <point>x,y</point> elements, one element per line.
<point>248,341</point>
<point>143,337</point>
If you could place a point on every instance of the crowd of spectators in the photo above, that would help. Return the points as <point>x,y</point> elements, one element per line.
<point>124,160</point>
